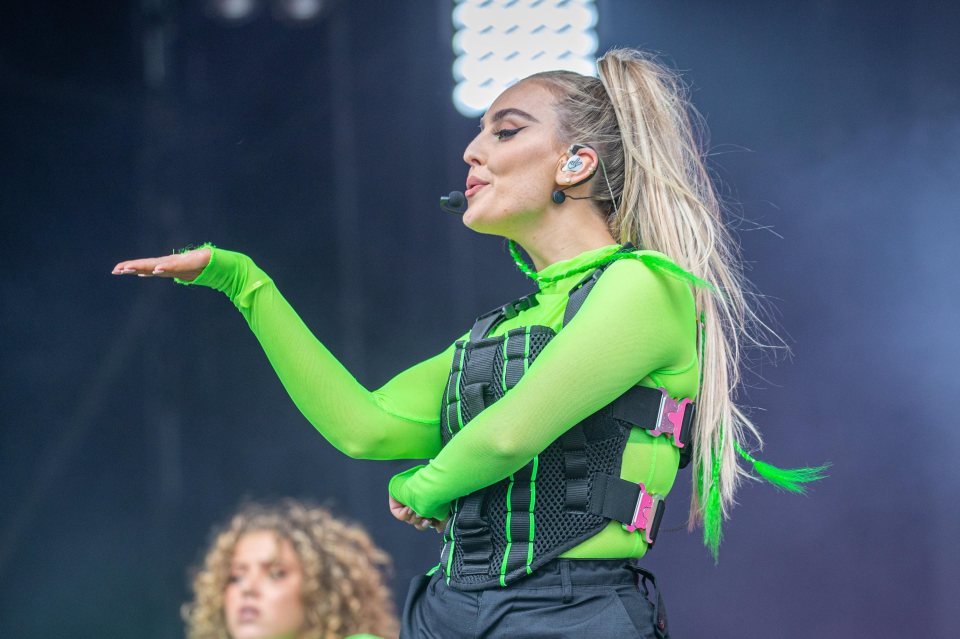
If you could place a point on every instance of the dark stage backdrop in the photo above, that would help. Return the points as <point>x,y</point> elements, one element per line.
<point>136,414</point>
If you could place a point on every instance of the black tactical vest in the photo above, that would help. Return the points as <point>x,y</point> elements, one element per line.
<point>567,493</point>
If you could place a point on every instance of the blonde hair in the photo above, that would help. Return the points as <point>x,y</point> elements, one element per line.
<point>657,194</point>
<point>343,573</point>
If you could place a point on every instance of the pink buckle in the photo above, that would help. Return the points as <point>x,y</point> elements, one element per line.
<point>643,514</point>
<point>671,417</point>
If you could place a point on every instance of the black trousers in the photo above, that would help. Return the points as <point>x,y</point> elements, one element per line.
<point>564,598</point>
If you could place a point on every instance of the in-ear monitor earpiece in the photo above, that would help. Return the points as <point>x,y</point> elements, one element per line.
<point>574,164</point>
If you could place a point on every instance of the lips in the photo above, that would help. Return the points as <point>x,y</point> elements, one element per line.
<point>247,614</point>
<point>474,184</point>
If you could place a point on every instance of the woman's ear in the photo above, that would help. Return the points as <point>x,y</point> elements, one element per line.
<point>577,166</point>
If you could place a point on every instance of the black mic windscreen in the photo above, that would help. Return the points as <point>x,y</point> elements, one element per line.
<point>455,203</point>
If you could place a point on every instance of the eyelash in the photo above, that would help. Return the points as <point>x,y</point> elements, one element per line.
<point>277,573</point>
<point>506,134</point>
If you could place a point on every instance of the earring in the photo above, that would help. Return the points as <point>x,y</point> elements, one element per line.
<point>567,179</point>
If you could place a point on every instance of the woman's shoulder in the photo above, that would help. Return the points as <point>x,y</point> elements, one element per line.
<point>649,282</point>
<point>645,268</point>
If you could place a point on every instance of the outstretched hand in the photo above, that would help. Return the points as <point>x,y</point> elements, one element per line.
<point>186,266</point>
<point>406,514</point>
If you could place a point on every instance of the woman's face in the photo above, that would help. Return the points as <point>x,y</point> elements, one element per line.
<point>513,161</point>
<point>263,598</point>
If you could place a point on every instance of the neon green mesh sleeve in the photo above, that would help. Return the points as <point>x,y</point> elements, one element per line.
<point>634,322</point>
<point>398,421</point>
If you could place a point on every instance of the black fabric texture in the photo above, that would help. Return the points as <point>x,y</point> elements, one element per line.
<point>600,598</point>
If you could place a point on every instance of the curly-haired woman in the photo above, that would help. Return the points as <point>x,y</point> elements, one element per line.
<point>290,570</point>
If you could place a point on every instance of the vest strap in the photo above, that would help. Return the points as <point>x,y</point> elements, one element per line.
<point>653,410</point>
<point>473,535</point>
<point>575,469</point>
<point>451,414</point>
<point>515,349</point>
<point>578,294</point>
<point>477,378</point>
<point>628,503</point>
<point>488,321</point>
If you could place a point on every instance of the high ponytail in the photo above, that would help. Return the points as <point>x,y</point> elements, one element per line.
<point>668,204</point>
<point>657,194</point>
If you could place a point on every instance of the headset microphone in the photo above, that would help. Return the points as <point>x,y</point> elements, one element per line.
<point>455,203</point>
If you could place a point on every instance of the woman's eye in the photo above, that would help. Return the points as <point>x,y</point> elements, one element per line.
<point>232,579</point>
<point>503,134</point>
<point>278,574</point>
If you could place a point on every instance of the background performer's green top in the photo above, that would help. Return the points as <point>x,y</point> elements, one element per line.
<point>637,326</point>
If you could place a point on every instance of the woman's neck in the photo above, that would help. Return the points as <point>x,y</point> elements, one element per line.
<point>565,232</point>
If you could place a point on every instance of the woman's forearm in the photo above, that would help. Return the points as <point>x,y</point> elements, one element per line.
<point>396,422</point>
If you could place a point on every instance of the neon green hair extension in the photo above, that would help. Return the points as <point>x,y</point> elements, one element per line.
<point>712,512</point>
<point>790,479</point>
<point>653,261</point>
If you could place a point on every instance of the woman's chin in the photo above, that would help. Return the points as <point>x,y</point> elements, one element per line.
<point>474,220</point>
<point>480,220</point>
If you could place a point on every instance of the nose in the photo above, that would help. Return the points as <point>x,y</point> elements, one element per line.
<point>250,586</point>
<point>473,154</point>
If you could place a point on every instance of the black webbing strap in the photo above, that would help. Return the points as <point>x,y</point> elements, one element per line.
<point>485,323</point>
<point>575,469</point>
<point>518,524</point>
<point>473,536</point>
<point>641,407</point>
<point>578,294</point>
<point>448,539</point>
<point>451,407</point>
<point>488,321</point>
<point>477,377</point>
<point>514,357</point>
<point>616,498</point>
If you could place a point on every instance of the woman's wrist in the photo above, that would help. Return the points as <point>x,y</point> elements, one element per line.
<point>200,279</point>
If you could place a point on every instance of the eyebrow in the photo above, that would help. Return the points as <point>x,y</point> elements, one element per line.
<point>265,564</point>
<point>503,113</point>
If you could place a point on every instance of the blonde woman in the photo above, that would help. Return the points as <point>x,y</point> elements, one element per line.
<point>563,416</point>
<point>290,570</point>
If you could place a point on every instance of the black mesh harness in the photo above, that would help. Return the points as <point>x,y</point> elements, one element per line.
<point>568,492</point>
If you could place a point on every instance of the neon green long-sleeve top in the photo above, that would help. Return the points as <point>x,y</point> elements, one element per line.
<point>637,326</point>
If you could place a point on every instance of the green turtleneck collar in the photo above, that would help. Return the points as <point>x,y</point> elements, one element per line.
<point>573,264</point>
